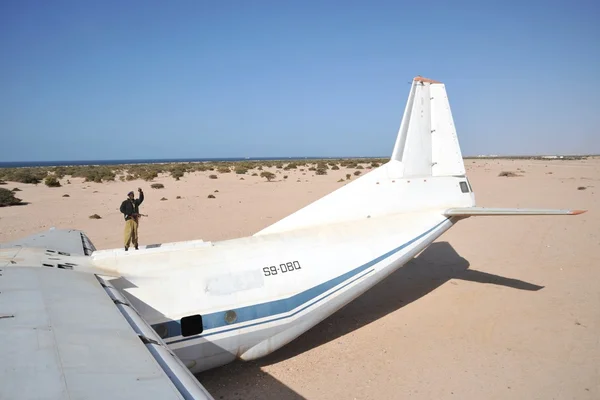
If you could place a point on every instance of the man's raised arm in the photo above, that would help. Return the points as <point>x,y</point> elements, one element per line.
<point>141,198</point>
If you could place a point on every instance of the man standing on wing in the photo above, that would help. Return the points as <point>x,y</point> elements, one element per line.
<point>130,208</point>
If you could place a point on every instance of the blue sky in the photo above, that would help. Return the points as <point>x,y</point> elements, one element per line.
<point>135,79</point>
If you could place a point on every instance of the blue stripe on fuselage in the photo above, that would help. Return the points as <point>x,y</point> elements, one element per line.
<point>273,308</point>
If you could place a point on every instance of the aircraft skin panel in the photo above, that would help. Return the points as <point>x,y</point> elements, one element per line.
<point>416,156</point>
<point>61,337</point>
<point>377,194</point>
<point>69,241</point>
<point>322,280</point>
<point>404,124</point>
<point>447,157</point>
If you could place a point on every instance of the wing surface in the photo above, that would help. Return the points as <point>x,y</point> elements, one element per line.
<point>488,211</point>
<point>64,334</point>
<point>68,241</point>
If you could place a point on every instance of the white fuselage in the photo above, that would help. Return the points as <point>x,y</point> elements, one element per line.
<point>257,294</point>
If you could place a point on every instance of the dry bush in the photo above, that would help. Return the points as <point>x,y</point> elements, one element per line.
<point>508,174</point>
<point>7,198</point>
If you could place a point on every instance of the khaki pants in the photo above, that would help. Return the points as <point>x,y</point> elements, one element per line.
<point>131,233</point>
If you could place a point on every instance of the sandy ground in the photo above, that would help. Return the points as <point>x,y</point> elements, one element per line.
<point>497,308</point>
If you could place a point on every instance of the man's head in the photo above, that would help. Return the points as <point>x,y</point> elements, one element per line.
<point>130,195</point>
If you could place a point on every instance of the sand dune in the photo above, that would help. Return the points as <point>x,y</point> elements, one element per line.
<point>497,308</point>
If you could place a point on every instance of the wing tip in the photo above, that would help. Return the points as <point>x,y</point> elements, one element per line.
<point>577,212</point>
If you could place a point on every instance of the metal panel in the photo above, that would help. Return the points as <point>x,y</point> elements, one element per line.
<point>69,241</point>
<point>62,337</point>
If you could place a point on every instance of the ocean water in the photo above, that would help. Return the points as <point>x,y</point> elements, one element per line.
<point>19,164</point>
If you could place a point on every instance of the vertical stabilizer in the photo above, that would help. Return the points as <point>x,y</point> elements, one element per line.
<point>427,144</point>
<point>425,172</point>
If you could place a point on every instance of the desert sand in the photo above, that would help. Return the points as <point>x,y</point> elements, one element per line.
<point>497,308</point>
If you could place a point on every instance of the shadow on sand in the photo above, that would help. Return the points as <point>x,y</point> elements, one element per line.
<point>435,266</point>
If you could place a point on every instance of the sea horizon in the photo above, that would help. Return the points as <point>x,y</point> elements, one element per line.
<point>66,163</point>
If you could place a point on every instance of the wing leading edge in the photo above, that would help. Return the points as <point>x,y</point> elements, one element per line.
<point>487,211</point>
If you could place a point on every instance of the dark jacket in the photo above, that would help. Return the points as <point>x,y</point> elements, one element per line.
<point>131,207</point>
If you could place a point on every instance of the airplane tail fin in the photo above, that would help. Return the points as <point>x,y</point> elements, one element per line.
<point>425,173</point>
<point>427,143</point>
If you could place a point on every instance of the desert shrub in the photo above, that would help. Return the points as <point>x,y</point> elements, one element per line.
<point>66,195</point>
<point>335,167</point>
<point>285,177</point>
<point>178,197</point>
<point>224,170</point>
<point>95,174</point>
<point>157,186</point>
<point>247,165</point>
<point>26,175</point>
<point>312,169</point>
<point>357,173</point>
<point>260,168</point>
<point>149,175</point>
<point>16,190</point>
<point>341,180</point>
<point>51,181</point>
<point>2,182</point>
<point>375,164</point>
<point>213,176</point>
<point>7,198</point>
<point>210,196</point>
<point>508,174</point>
<point>321,171</point>
<point>267,175</point>
<point>348,176</point>
<point>163,199</point>
<point>360,167</point>
<point>59,172</point>
<point>254,174</point>
<point>240,170</point>
<point>178,171</point>
<point>582,188</point>
<point>95,216</point>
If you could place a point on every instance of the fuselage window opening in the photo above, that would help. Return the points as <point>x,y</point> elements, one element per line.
<point>464,187</point>
<point>191,325</point>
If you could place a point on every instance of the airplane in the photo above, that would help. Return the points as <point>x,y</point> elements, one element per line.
<point>78,322</point>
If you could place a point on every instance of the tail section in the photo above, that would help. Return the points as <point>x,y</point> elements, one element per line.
<point>425,173</point>
<point>427,144</point>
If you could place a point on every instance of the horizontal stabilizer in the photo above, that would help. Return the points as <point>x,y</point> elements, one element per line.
<point>476,211</point>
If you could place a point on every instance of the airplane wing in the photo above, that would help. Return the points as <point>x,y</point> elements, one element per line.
<point>478,211</point>
<point>69,241</point>
<point>67,334</point>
